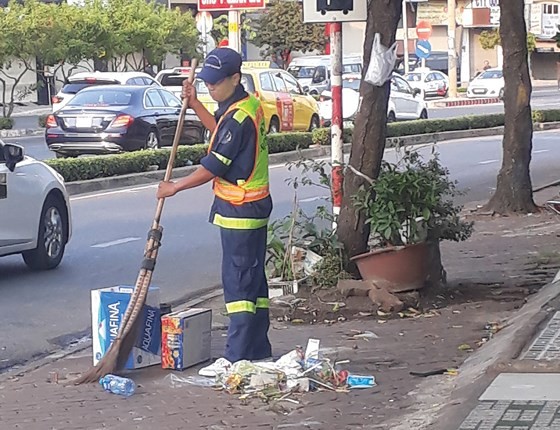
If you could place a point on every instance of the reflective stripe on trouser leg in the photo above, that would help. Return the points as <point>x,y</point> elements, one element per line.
<point>245,293</point>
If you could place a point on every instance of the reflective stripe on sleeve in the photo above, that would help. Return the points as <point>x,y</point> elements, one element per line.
<point>223,159</point>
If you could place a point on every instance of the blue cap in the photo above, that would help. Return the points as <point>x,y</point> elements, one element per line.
<point>219,64</point>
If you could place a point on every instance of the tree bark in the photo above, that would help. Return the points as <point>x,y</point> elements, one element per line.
<point>368,142</point>
<point>514,192</point>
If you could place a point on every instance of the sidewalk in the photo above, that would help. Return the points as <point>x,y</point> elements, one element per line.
<point>491,276</point>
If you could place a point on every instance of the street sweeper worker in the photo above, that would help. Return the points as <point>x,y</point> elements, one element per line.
<point>237,163</point>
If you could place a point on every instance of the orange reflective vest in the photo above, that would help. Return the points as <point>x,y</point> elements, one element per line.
<point>256,186</point>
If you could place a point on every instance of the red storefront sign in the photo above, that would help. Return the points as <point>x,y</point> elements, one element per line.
<point>212,5</point>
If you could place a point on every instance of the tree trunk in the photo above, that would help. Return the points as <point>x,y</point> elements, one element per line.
<point>514,193</point>
<point>368,142</point>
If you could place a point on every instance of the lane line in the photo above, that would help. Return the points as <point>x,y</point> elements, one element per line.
<point>108,193</point>
<point>488,161</point>
<point>540,151</point>
<point>313,199</point>
<point>116,242</point>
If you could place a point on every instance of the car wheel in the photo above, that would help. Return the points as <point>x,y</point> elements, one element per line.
<point>424,114</point>
<point>501,95</point>
<point>274,126</point>
<point>51,238</point>
<point>391,117</point>
<point>315,123</point>
<point>152,140</point>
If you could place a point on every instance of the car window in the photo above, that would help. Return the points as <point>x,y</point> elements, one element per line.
<point>439,76</point>
<point>148,81</point>
<point>491,74</point>
<point>302,72</point>
<point>320,75</point>
<point>134,81</point>
<point>351,68</point>
<point>402,85</point>
<point>172,80</point>
<point>169,99</point>
<point>414,77</point>
<point>291,83</point>
<point>102,97</point>
<point>352,83</point>
<point>430,77</point>
<point>279,83</point>
<point>154,99</point>
<point>266,82</point>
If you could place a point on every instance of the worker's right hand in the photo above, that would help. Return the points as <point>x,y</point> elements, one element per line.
<point>189,93</point>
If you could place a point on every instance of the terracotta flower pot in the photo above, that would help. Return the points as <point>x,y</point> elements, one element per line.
<point>402,268</point>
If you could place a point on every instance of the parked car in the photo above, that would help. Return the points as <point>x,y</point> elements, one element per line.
<point>313,72</point>
<point>429,82</point>
<point>285,104</point>
<point>116,118</point>
<point>172,79</point>
<point>404,101</point>
<point>487,84</point>
<point>35,218</point>
<point>82,80</point>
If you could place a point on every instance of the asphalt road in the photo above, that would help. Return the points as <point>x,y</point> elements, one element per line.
<point>542,98</point>
<point>40,311</point>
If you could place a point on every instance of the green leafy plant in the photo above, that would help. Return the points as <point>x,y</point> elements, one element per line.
<point>412,202</point>
<point>6,123</point>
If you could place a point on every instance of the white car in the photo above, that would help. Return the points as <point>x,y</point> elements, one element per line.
<point>35,218</point>
<point>82,80</point>
<point>489,83</point>
<point>172,79</point>
<point>430,82</point>
<point>404,103</point>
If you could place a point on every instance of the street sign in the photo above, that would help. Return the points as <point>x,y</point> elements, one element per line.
<point>423,30</point>
<point>214,5</point>
<point>204,22</point>
<point>334,10</point>
<point>423,49</point>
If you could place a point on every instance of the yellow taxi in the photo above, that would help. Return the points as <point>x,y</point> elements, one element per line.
<point>286,106</point>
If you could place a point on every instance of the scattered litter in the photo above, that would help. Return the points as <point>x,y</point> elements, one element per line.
<point>465,347</point>
<point>279,381</point>
<point>357,381</point>
<point>53,378</point>
<point>177,381</point>
<point>365,335</point>
<point>451,371</point>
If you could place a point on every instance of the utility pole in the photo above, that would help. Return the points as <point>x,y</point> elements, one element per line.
<point>234,38</point>
<point>452,53</point>
<point>405,37</point>
<point>337,123</point>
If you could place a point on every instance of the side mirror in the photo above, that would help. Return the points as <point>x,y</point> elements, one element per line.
<point>13,154</point>
<point>305,89</point>
<point>416,91</point>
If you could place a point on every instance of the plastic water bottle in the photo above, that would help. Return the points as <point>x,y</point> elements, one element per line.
<point>118,385</point>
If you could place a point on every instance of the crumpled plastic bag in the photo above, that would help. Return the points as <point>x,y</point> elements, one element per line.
<point>382,62</point>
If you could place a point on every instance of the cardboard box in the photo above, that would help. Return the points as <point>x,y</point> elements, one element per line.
<point>186,338</point>
<point>108,306</point>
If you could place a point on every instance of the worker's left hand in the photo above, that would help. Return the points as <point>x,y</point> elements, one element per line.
<point>166,189</point>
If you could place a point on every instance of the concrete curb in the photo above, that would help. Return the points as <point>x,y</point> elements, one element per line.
<point>133,179</point>
<point>22,132</point>
<point>464,102</point>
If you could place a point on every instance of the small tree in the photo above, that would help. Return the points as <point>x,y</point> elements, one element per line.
<point>489,39</point>
<point>280,29</point>
<point>514,193</point>
<point>220,29</point>
<point>368,141</point>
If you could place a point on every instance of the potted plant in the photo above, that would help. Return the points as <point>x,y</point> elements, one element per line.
<point>409,209</point>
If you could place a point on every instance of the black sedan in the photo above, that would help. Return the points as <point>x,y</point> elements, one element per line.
<point>117,118</point>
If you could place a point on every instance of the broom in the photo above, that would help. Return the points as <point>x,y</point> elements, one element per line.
<point>117,354</point>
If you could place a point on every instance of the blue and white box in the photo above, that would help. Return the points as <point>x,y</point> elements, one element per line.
<point>108,306</point>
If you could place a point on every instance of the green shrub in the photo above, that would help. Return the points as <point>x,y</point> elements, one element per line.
<point>322,136</point>
<point>549,115</point>
<point>284,142</point>
<point>6,123</point>
<point>79,169</point>
<point>43,120</point>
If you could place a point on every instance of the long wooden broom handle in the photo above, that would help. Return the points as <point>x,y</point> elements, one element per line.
<point>176,139</point>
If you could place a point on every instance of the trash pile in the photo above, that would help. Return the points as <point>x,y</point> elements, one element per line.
<point>294,372</point>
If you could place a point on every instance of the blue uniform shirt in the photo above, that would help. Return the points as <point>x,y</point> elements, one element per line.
<point>232,158</point>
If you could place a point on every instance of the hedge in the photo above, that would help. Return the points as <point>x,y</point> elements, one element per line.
<point>6,123</point>
<point>426,126</point>
<point>43,120</point>
<point>76,169</point>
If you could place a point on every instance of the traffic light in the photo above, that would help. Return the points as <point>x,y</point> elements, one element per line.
<point>343,6</point>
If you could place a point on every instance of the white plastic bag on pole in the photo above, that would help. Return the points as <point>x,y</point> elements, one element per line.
<point>382,62</point>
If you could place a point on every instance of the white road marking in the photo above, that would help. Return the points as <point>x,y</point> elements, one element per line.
<point>488,161</point>
<point>540,151</point>
<point>116,242</point>
<point>107,193</point>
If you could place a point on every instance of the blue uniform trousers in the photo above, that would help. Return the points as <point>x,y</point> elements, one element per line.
<point>246,293</point>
